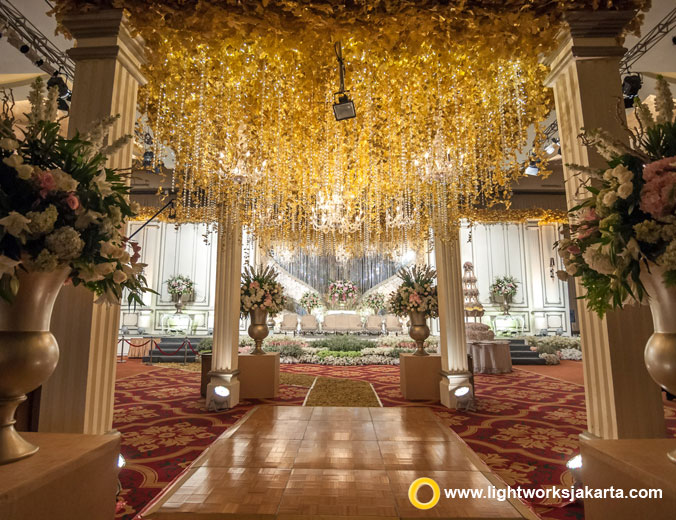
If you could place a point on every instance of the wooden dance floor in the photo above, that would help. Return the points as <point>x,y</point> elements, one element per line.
<point>294,463</point>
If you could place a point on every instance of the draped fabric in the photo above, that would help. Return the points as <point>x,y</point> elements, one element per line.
<point>318,271</point>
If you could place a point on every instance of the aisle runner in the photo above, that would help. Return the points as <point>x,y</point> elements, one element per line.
<point>526,426</point>
<point>330,391</point>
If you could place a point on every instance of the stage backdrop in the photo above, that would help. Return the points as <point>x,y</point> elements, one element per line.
<point>524,251</point>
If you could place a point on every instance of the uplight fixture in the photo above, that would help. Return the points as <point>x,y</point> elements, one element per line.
<point>121,462</point>
<point>343,108</point>
<point>219,399</point>
<point>464,398</point>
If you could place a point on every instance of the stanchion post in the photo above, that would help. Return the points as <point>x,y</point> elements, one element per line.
<point>185,351</point>
<point>121,360</point>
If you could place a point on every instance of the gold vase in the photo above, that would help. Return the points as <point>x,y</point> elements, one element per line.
<point>28,352</point>
<point>660,351</point>
<point>419,331</point>
<point>258,330</point>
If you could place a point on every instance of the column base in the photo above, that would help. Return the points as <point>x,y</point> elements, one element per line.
<point>259,375</point>
<point>450,382</point>
<point>419,376</point>
<point>228,380</point>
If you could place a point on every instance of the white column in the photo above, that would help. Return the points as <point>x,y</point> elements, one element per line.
<point>224,363</point>
<point>79,396</point>
<point>622,400</point>
<point>452,343</point>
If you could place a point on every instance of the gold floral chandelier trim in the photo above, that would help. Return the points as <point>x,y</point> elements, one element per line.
<point>445,92</point>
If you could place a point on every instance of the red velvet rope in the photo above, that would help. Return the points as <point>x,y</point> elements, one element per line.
<point>157,346</point>
<point>178,349</point>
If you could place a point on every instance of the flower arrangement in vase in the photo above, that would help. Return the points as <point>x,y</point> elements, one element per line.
<point>622,243</point>
<point>416,298</point>
<point>343,293</point>
<point>62,214</point>
<point>374,301</point>
<point>502,290</point>
<point>310,301</point>
<point>181,289</point>
<point>260,294</point>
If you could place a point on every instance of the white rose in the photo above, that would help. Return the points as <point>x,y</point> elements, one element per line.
<point>622,173</point>
<point>625,190</point>
<point>15,224</point>
<point>9,144</point>
<point>119,277</point>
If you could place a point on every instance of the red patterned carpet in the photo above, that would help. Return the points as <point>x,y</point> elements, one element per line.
<point>525,428</point>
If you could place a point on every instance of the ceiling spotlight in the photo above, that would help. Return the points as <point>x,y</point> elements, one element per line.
<point>343,108</point>
<point>553,147</point>
<point>39,62</point>
<point>532,168</point>
<point>147,158</point>
<point>24,49</point>
<point>630,86</point>
<point>64,92</point>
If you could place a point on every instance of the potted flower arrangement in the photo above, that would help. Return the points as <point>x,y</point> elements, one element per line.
<point>622,243</point>
<point>502,290</point>
<point>61,220</point>
<point>374,301</point>
<point>343,292</point>
<point>260,294</point>
<point>310,301</point>
<point>181,289</point>
<point>417,298</point>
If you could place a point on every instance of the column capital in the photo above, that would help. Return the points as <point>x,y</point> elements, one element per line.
<point>105,34</point>
<point>587,35</point>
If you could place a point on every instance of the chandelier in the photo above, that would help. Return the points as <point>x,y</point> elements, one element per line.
<point>333,214</point>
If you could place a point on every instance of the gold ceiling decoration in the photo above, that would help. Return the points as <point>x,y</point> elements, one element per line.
<point>444,94</point>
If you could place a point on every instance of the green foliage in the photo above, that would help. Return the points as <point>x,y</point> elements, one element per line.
<point>205,345</point>
<point>338,354</point>
<point>342,343</point>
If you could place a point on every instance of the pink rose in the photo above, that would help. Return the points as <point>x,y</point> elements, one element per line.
<point>585,231</point>
<point>658,197</point>
<point>72,201</point>
<point>46,182</point>
<point>574,250</point>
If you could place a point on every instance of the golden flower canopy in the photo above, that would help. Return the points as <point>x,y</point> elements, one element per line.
<point>445,91</point>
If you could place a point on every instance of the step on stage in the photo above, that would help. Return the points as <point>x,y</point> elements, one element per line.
<point>294,463</point>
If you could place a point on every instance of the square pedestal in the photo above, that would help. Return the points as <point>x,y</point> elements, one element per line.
<point>72,476</point>
<point>629,464</point>
<point>259,376</point>
<point>419,377</point>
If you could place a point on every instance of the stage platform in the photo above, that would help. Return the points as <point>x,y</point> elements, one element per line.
<point>293,463</point>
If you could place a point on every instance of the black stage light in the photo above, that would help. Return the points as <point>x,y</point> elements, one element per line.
<point>630,86</point>
<point>344,108</point>
<point>24,49</point>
